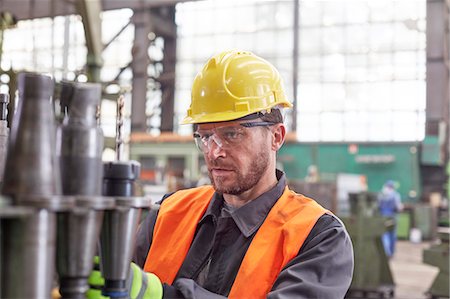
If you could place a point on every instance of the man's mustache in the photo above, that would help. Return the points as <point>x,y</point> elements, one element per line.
<point>220,164</point>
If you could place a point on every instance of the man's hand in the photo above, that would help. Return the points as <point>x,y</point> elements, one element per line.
<point>143,285</point>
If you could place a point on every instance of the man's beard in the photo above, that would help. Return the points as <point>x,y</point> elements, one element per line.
<point>243,182</point>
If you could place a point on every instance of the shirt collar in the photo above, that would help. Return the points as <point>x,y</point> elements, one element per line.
<point>250,216</point>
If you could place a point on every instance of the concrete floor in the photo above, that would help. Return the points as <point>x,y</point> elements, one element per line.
<point>411,276</point>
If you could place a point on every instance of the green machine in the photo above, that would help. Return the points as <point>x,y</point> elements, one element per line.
<point>438,255</point>
<point>372,277</point>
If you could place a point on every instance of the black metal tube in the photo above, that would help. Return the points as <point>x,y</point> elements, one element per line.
<point>115,289</point>
<point>119,178</point>
<point>73,288</point>
<point>119,226</point>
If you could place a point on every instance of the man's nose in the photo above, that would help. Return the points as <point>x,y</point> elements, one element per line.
<point>215,147</point>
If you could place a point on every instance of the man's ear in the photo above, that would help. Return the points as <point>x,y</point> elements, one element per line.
<point>278,136</point>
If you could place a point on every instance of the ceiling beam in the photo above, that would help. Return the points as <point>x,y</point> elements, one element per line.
<point>32,9</point>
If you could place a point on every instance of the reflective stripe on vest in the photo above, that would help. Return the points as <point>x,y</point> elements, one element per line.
<point>277,241</point>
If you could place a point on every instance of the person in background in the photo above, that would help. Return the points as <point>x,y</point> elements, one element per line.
<point>204,177</point>
<point>246,235</point>
<point>312,174</point>
<point>389,204</point>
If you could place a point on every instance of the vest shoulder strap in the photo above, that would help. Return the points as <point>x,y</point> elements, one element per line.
<point>174,231</point>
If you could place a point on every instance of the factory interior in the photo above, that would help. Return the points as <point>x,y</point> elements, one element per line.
<point>92,94</point>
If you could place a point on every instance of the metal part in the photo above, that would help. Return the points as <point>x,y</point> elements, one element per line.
<point>139,65</point>
<point>90,14</point>
<point>372,274</point>
<point>119,225</point>
<point>120,177</point>
<point>80,140</point>
<point>157,22</point>
<point>119,127</point>
<point>28,248</point>
<point>52,8</point>
<point>32,180</point>
<point>8,212</point>
<point>4,132</point>
<point>117,243</point>
<point>438,255</point>
<point>167,78</point>
<point>31,164</point>
<point>78,233</point>
<point>80,145</point>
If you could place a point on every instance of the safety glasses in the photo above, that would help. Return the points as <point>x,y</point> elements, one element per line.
<point>227,136</point>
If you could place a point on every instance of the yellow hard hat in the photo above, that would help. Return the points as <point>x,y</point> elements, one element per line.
<point>234,84</point>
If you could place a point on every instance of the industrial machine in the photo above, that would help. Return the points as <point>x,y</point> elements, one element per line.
<point>438,255</point>
<point>57,203</point>
<point>372,277</point>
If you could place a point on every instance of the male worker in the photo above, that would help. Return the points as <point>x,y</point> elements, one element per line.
<point>389,204</point>
<point>247,235</point>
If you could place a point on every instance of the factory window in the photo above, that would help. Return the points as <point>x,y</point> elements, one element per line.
<point>56,46</point>
<point>39,45</point>
<point>361,74</point>
<point>361,63</point>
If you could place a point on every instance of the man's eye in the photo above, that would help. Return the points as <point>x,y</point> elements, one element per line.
<point>232,134</point>
<point>205,137</point>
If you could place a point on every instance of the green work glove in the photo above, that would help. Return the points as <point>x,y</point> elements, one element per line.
<point>96,282</point>
<point>143,285</point>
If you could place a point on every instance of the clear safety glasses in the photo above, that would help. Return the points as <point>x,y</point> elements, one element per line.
<point>225,137</point>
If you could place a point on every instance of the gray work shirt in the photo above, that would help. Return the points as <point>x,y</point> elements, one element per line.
<point>322,269</point>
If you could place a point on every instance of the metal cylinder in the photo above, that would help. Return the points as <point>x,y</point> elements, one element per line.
<point>80,140</point>
<point>78,233</point>
<point>4,100</point>
<point>77,238</point>
<point>120,177</point>
<point>28,255</point>
<point>8,212</point>
<point>31,165</point>
<point>117,244</point>
<point>79,147</point>
<point>119,225</point>
<point>4,132</point>
<point>31,179</point>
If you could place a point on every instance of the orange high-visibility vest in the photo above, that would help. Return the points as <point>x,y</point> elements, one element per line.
<point>277,241</point>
